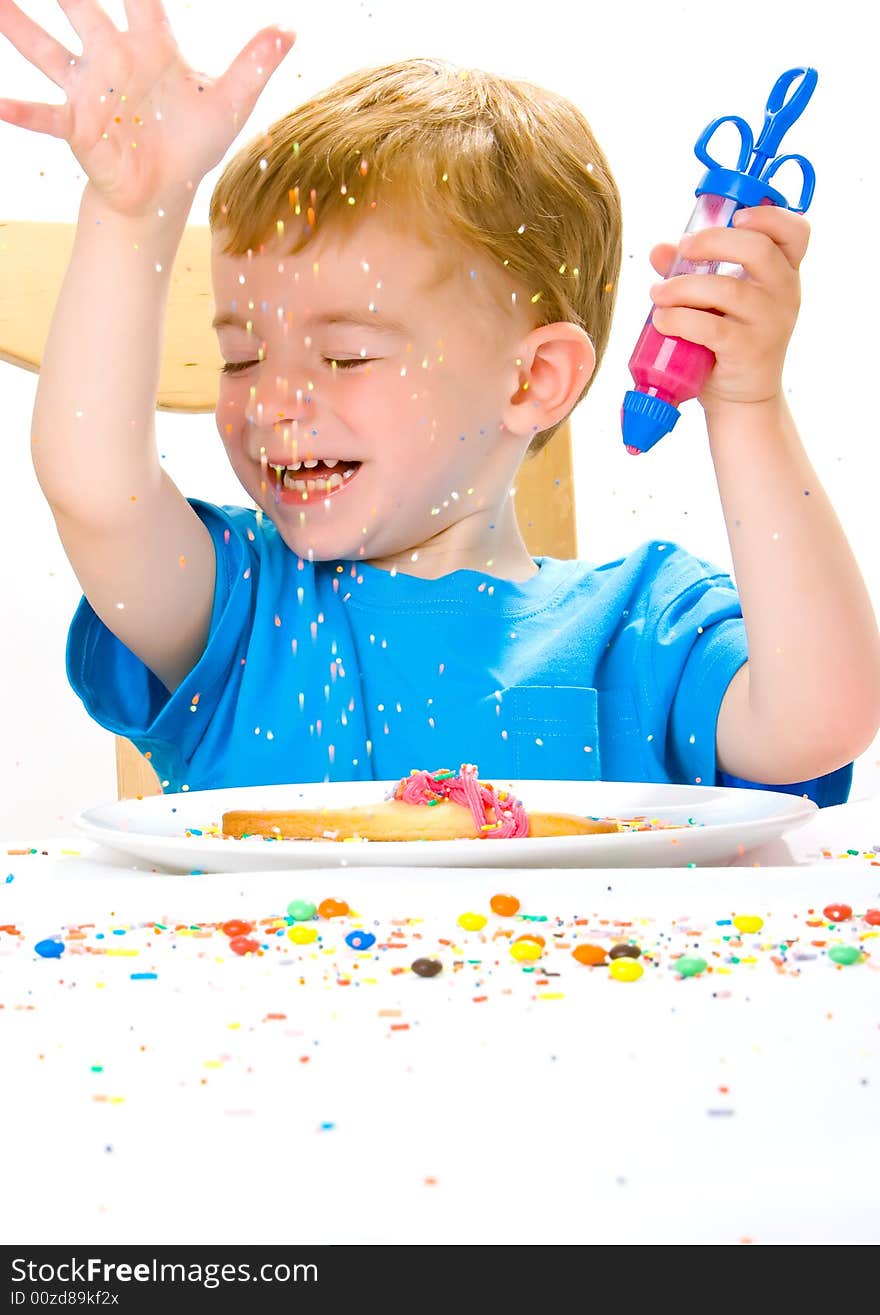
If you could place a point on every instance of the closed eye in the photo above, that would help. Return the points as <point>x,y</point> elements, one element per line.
<point>235,367</point>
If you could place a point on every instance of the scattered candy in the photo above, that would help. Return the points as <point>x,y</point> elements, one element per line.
<point>302,935</point>
<point>235,927</point>
<point>592,955</point>
<point>333,908</point>
<point>624,951</point>
<point>689,966</point>
<point>244,945</point>
<point>504,905</point>
<point>524,951</point>
<point>50,949</point>
<point>360,940</point>
<point>625,970</point>
<point>301,910</point>
<point>844,954</point>
<point>426,967</point>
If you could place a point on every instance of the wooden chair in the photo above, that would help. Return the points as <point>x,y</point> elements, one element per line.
<point>33,260</point>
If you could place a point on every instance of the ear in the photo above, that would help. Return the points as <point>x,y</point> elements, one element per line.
<point>554,364</point>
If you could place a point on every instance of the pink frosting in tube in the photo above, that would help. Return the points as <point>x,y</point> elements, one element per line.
<point>498,815</point>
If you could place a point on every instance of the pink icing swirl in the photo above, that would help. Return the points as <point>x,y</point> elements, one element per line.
<point>498,815</point>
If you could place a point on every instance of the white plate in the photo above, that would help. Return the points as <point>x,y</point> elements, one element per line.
<point>722,823</point>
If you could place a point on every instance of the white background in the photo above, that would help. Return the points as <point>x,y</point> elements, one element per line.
<point>648,77</point>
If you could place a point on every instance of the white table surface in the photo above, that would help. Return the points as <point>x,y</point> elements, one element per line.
<point>313,1094</point>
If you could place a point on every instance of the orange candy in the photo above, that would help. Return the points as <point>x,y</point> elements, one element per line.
<point>593,955</point>
<point>504,905</point>
<point>333,908</point>
<point>236,927</point>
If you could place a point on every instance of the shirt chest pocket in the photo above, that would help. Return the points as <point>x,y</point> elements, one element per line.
<point>552,732</point>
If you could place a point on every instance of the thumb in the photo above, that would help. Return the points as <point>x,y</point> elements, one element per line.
<point>247,75</point>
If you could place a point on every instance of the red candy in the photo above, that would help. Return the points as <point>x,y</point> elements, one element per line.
<point>873,917</point>
<point>243,945</point>
<point>236,927</point>
<point>837,912</point>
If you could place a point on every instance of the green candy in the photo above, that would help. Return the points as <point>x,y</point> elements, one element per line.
<point>687,967</point>
<point>301,910</point>
<point>844,954</point>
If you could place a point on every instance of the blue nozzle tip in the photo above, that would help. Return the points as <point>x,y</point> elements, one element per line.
<point>645,420</point>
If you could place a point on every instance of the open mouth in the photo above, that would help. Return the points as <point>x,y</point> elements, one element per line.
<point>302,481</point>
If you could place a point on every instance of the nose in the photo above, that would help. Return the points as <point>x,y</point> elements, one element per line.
<point>273,402</point>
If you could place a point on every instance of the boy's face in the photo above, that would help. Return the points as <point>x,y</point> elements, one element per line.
<point>353,353</point>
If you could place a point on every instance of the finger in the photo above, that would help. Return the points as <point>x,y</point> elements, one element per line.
<point>758,243</point>
<point>141,14</point>
<point>662,257</point>
<point>252,68</point>
<point>86,18</point>
<point>37,46</point>
<point>51,119</point>
<point>697,326</point>
<point>714,292</point>
<point>788,230</point>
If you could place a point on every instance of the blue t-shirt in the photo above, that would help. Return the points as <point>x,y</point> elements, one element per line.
<point>340,671</point>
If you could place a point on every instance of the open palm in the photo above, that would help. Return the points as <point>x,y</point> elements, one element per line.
<point>141,122</point>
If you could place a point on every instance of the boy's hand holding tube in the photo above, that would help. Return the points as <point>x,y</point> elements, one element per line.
<point>145,126</point>
<point>747,322</point>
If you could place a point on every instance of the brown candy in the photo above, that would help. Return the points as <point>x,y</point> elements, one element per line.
<point>426,967</point>
<point>624,952</point>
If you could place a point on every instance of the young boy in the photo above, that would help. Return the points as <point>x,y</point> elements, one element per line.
<point>414,277</point>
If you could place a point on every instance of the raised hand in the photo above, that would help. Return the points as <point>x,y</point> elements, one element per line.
<point>145,126</point>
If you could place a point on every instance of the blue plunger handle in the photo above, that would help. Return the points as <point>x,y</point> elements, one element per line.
<point>780,113</point>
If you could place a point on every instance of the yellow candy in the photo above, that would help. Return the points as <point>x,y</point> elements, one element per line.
<point>472,921</point>
<point>748,922</point>
<point>302,935</point>
<point>524,950</point>
<point>625,970</point>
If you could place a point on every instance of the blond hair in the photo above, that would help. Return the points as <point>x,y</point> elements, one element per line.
<point>509,169</point>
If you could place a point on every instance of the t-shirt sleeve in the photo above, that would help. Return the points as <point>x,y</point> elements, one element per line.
<point>706,621</point>
<point>121,693</point>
